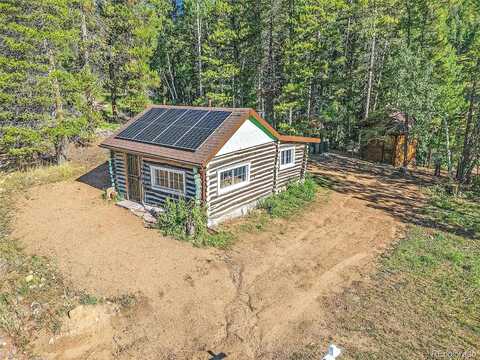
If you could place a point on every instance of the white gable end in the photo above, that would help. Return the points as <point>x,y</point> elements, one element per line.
<point>248,135</point>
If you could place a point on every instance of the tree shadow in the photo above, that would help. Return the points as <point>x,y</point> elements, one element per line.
<point>383,187</point>
<point>97,177</point>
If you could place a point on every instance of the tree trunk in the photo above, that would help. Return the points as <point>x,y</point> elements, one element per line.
<point>310,100</point>
<point>370,78</point>
<point>475,151</point>
<point>86,53</point>
<point>429,156</point>
<point>467,144</point>
<point>172,79</point>
<point>113,84</point>
<point>447,146</point>
<point>61,149</point>
<point>199,50</point>
<point>405,144</point>
<point>268,91</point>
<point>60,140</point>
<point>379,76</point>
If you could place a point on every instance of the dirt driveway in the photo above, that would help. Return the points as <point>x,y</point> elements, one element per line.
<point>259,299</point>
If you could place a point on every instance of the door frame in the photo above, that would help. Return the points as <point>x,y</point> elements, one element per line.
<point>139,176</point>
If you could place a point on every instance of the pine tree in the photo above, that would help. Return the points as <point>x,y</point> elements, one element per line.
<point>131,29</point>
<point>36,83</point>
<point>220,56</point>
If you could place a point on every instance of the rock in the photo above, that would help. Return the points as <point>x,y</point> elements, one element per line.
<point>149,218</point>
<point>154,210</point>
<point>29,278</point>
<point>111,193</point>
<point>138,212</point>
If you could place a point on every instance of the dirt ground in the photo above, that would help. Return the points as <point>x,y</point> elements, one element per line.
<point>260,299</point>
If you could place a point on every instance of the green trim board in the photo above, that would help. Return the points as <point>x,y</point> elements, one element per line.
<point>261,127</point>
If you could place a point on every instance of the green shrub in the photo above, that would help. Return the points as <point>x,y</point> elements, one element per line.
<point>294,198</point>
<point>220,239</point>
<point>184,220</point>
<point>87,299</point>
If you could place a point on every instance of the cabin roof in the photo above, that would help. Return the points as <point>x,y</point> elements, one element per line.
<point>194,151</point>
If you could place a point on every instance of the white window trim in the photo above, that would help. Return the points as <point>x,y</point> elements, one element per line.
<point>165,189</point>
<point>289,165</point>
<point>227,189</point>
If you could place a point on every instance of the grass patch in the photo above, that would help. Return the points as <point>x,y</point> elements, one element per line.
<point>105,125</point>
<point>296,196</point>
<point>458,214</point>
<point>33,294</point>
<point>87,299</point>
<point>424,300</point>
<point>125,301</point>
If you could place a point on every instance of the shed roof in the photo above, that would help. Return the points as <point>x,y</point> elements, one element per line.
<point>391,123</point>
<point>398,122</point>
<point>210,146</point>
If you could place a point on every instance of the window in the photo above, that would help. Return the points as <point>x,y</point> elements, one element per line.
<point>169,180</point>
<point>233,178</point>
<point>287,158</point>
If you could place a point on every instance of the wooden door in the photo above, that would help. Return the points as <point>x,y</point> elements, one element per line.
<point>133,178</point>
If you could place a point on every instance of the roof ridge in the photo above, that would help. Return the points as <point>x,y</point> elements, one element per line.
<point>218,108</point>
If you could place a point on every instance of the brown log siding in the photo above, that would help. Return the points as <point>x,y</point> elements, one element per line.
<point>262,162</point>
<point>292,173</point>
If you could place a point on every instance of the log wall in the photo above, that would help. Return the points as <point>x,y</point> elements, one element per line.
<point>119,173</point>
<point>292,173</point>
<point>262,164</point>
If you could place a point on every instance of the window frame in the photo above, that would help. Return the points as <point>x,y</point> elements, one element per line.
<point>288,165</point>
<point>233,187</point>
<point>163,188</point>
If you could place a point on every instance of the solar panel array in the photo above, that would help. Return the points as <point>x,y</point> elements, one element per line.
<point>178,128</point>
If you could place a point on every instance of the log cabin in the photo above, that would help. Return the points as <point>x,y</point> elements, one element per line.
<point>225,158</point>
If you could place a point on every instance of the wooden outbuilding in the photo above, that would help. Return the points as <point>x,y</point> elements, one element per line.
<point>226,158</point>
<point>385,140</point>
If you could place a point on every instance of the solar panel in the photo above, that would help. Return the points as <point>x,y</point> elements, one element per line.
<point>139,124</point>
<point>194,138</point>
<point>171,135</point>
<point>156,127</point>
<point>178,128</point>
<point>214,119</point>
<point>197,135</point>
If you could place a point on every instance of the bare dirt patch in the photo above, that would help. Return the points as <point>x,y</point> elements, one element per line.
<point>258,299</point>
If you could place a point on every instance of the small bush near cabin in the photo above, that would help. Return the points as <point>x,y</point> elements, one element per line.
<point>295,197</point>
<point>186,220</point>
